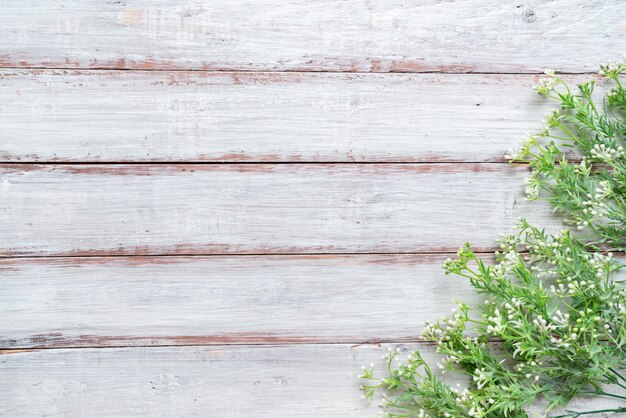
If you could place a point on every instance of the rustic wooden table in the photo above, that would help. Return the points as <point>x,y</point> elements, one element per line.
<point>223,208</point>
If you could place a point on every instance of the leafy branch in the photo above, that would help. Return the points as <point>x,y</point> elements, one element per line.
<point>551,300</point>
<point>590,193</point>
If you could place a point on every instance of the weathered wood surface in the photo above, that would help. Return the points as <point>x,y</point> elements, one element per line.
<point>220,381</point>
<point>238,208</point>
<point>279,35</point>
<point>129,116</point>
<point>150,301</point>
<point>169,327</point>
<point>113,301</point>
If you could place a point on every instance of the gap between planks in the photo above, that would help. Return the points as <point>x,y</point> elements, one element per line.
<point>198,162</point>
<point>287,71</point>
<point>273,254</point>
<point>270,344</point>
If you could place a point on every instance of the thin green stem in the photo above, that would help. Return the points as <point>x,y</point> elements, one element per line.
<point>617,374</point>
<point>575,414</point>
<point>611,395</point>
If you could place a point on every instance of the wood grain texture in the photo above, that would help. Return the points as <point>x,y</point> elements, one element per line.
<point>67,302</point>
<point>330,35</point>
<point>217,300</point>
<point>238,208</point>
<point>129,116</point>
<point>258,331</point>
<point>222,381</point>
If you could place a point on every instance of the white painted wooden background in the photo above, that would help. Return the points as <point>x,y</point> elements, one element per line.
<point>223,208</point>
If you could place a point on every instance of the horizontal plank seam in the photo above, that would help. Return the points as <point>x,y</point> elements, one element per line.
<point>226,162</point>
<point>372,341</point>
<point>300,71</point>
<point>269,255</point>
<point>277,254</point>
<point>5,350</point>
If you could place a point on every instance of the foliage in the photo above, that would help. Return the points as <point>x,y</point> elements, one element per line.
<point>590,192</point>
<point>553,323</point>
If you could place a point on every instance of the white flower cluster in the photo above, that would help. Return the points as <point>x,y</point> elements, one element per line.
<point>606,154</point>
<point>603,189</point>
<point>551,119</point>
<point>443,364</point>
<point>513,310</point>
<point>465,398</point>
<point>432,332</point>
<point>498,272</point>
<point>561,290</point>
<point>584,167</point>
<point>527,369</point>
<point>620,306</point>
<point>476,411</point>
<point>592,212</point>
<point>391,352</point>
<point>521,366</point>
<point>560,342</point>
<point>547,245</point>
<point>480,378</point>
<point>561,318</point>
<point>601,263</point>
<point>510,260</point>
<point>523,148</point>
<point>437,332</point>
<point>611,69</point>
<point>497,324</point>
<point>594,208</point>
<point>533,184</point>
<point>546,84</point>
<point>543,324</point>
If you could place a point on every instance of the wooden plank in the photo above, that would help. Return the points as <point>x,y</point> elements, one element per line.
<point>128,116</point>
<point>238,208</point>
<point>61,302</point>
<point>217,300</point>
<point>299,35</point>
<point>220,381</point>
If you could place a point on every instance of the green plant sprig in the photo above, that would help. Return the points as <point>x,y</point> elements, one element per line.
<point>557,316</point>
<point>589,192</point>
<point>553,323</point>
